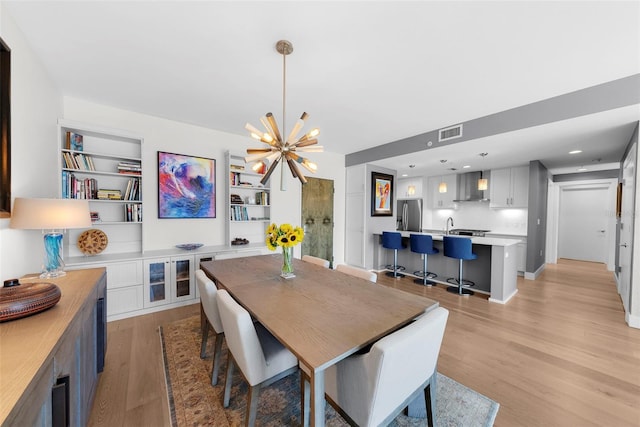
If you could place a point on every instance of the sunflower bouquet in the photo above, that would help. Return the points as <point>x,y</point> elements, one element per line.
<point>286,236</point>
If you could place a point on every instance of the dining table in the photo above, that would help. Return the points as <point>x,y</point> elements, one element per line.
<point>321,315</point>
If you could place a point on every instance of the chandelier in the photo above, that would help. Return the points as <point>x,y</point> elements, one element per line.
<point>281,150</point>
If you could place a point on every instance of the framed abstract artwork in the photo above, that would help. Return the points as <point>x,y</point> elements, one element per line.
<point>381,194</point>
<point>186,186</point>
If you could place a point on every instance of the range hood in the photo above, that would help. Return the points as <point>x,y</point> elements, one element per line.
<point>468,187</point>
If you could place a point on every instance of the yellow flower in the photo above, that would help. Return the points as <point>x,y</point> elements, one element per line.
<point>286,236</point>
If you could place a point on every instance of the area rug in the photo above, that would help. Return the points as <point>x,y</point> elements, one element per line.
<point>194,402</point>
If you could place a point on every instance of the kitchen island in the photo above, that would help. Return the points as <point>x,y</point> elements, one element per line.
<point>494,271</point>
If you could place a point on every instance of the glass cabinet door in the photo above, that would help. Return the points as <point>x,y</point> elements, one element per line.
<point>157,275</point>
<point>183,278</point>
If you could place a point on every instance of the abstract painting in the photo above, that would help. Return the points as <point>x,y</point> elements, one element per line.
<point>186,186</point>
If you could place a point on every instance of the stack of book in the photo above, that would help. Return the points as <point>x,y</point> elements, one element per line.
<point>130,168</point>
<point>239,213</point>
<point>104,194</point>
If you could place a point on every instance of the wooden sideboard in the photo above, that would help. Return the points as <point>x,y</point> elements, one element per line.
<point>50,361</point>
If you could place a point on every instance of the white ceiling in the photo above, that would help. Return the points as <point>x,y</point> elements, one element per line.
<point>368,73</point>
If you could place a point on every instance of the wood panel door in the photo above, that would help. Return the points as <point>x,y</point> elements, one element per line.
<point>317,218</point>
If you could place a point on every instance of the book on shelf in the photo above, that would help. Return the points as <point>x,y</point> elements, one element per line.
<point>78,161</point>
<point>132,212</point>
<point>74,188</point>
<point>131,168</point>
<point>105,194</point>
<point>237,167</point>
<point>95,216</point>
<point>132,191</point>
<point>74,141</point>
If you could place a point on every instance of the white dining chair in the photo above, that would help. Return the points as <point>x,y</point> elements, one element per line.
<point>262,359</point>
<point>315,260</point>
<point>357,272</point>
<point>371,389</point>
<point>209,306</point>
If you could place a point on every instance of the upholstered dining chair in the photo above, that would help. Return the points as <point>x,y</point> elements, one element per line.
<point>315,260</point>
<point>262,359</point>
<point>209,306</point>
<point>358,272</point>
<point>371,389</point>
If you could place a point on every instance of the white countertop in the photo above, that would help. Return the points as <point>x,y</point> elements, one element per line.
<point>489,241</point>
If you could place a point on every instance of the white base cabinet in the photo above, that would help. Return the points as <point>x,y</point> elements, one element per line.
<point>168,280</point>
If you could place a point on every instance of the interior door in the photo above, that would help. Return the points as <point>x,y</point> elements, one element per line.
<point>626,227</point>
<point>317,218</point>
<point>582,226</point>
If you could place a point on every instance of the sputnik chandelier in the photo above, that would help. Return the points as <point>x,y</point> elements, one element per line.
<point>281,150</point>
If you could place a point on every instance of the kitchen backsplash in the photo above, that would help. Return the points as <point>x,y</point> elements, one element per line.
<point>478,216</point>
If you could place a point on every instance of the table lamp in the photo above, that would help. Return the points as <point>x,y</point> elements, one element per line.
<point>52,216</point>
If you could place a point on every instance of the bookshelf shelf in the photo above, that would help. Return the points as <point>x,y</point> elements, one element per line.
<point>96,163</point>
<point>249,209</point>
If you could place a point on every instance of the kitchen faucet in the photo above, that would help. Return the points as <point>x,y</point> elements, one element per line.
<point>447,225</point>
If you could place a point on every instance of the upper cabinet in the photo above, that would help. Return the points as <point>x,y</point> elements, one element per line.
<point>105,167</point>
<point>409,188</point>
<point>509,187</point>
<point>442,191</point>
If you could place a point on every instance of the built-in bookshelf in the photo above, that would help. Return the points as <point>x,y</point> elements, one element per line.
<point>249,202</point>
<point>103,166</point>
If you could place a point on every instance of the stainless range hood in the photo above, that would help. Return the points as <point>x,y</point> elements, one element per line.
<point>468,187</point>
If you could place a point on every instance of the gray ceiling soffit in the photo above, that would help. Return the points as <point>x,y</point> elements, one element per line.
<point>607,96</point>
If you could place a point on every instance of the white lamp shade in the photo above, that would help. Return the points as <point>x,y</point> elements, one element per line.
<point>50,214</point>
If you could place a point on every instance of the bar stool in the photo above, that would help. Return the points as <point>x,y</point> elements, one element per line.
<point>460,249</point>
<point>393,240</point>
<point>423,244</point>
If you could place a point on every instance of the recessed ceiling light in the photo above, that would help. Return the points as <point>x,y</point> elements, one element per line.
<point>575,151</point>
<point>405,174</point>
<point>466,167</point>
<point>582,169</point>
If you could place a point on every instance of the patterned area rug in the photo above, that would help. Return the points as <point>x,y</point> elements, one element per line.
<point>194,402</point>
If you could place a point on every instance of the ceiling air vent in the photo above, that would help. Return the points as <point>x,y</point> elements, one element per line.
<point>452,132</point>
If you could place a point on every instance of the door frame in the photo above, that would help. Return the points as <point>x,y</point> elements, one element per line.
<point>553,215</point>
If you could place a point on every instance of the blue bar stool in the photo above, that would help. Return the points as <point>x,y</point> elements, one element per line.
<point>460,249</point>
<point>423,244</point>
<point>393,240</point>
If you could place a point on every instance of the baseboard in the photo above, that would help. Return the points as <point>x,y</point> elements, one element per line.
<point>504,301</point>
<point>632,321</point>
<point>535,274</point>
<point>141,312</point>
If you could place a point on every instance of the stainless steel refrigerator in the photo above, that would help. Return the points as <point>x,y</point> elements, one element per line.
<point>410,215</point>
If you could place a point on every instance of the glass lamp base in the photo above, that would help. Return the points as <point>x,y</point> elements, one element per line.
<point>53,264</point>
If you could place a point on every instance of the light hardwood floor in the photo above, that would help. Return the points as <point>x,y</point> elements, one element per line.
<point>558,354</point>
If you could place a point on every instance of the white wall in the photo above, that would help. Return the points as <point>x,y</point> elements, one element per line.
<point>166,135</point>
<point>35,106</point>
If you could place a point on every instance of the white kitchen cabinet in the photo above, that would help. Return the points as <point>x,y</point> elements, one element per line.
<point>409,188</point>
<point>168,279</point>
<point>124,285</point>
<point>438,200</point>
<point>509,187</point>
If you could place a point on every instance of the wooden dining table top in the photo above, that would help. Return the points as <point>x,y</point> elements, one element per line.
<point>321,315</point>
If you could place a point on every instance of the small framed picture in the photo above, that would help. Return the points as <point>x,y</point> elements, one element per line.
<point>381,194</point>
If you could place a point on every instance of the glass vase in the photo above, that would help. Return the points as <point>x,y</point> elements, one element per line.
<point>287,263</point>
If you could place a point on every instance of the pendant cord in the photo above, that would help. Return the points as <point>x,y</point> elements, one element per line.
<point>284,93</point>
